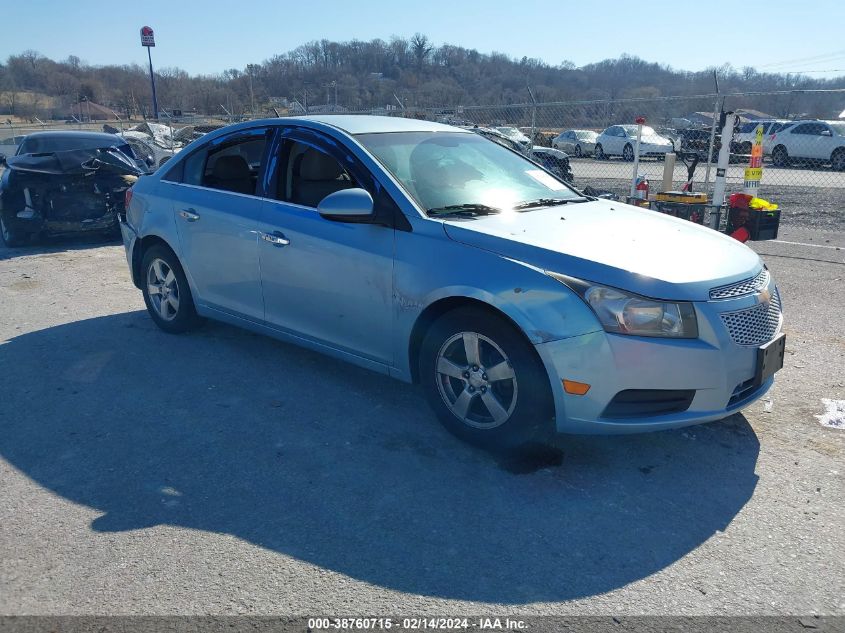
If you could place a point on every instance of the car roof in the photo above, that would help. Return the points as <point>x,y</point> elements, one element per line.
<point>370,124</point>
<point>94,136</point>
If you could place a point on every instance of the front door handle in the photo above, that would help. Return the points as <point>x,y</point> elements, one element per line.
<point>190,215</point>
<point>276,238</point>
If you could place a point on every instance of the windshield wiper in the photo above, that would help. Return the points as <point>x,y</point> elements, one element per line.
<point>546,202</point>
<point>457,209</point>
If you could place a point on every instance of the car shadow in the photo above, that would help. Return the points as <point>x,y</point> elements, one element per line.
<point>57,245</point>
<point>230,432</point>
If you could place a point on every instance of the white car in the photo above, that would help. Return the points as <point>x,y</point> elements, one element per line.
<point>147,149</point>
<point>576,142</point>
<point>744,138</point>
<point>816,141</point>
<point>514,134</point>
<point>620,140</point>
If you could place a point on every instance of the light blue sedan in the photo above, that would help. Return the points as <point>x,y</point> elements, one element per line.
<point>434,255</point>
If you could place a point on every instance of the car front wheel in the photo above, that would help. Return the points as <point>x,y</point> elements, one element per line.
<point>484,380</point>
<point>628,153</point>
<point>578,151</point>
<point>837,160</point>
<point>166,292</point>
<point>599,153</point>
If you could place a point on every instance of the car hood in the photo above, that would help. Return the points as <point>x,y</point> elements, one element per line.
<point>607,242</point>
<point>655,140</point>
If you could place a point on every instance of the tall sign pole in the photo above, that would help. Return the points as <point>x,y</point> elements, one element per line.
<point>148,40</point>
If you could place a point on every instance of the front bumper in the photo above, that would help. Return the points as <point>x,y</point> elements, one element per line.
<point>718,370</point>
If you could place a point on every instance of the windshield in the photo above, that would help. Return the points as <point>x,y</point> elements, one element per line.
<point>510,131</point>
<point>838,128</point>
<point>586,135</point>
<point>631,130</point>
<point>447,169</point>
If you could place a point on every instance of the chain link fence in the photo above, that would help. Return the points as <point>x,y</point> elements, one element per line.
<point>803,141</point>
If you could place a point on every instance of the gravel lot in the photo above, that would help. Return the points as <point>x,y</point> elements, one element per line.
<point>222,472</point>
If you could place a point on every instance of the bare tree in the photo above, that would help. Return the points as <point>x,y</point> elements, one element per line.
<point>421,48</point>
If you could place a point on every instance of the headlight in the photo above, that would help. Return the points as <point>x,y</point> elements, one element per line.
<point>623,312</point>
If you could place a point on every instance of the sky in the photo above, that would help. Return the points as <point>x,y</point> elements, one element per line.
<point>211,36</point>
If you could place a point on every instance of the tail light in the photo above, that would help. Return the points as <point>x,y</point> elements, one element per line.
<point>127,198</point>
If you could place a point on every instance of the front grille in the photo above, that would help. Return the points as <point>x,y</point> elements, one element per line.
<point>634,403</point>
<point>756,325</point>
<point>741,288</point>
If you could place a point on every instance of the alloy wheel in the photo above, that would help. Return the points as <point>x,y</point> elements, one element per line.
<point>476,380</point>
<point>163,289</point>
<point>578,152</point>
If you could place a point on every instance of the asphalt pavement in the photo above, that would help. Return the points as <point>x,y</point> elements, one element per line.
<point>222,472</point>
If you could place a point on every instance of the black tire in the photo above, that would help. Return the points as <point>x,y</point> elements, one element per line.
<point>599,153</point>
<point>531,409</point>
<point>837,159</point>
<point>780,157</point>
<point>578,151</point>
<point>11,237</point>
<point>184,318</point>
<point>745,148</point>
<point>628,153</point>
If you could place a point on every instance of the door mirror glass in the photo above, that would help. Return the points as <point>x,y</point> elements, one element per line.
<point>826,133</point>
<point>347,204</point>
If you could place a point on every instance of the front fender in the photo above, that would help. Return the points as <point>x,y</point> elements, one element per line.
<point>430,268</point>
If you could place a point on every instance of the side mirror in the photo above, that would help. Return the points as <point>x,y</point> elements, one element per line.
<point>827,133</point>
<point>347,205</point>
<point>2,159</point>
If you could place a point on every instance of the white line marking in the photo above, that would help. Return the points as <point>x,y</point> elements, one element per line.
<point>811,245</point>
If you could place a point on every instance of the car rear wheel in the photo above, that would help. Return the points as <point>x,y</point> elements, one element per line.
<point>837,160</point>
<point>599,153</point>
<point>780,157</point>
<point>166,291</point>
<point>628,153</point>
<point>578,151</point>
<point>11,237</point>
<point>484,380</point>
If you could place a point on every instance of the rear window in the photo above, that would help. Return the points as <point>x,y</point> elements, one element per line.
<point>45,144</point>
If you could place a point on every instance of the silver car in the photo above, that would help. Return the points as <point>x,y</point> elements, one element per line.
<point>578,143</point>
<point>436,256</point>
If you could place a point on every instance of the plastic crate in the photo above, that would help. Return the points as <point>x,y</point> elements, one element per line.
<point>692,212</point>
<point>761,225</point>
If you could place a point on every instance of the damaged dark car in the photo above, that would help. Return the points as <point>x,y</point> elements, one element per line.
<point>63,183</point>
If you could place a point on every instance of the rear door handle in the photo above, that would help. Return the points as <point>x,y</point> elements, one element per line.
<point>190,215</point>
<point>276,238</point>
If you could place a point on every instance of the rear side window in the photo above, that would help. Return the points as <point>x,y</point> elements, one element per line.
<point>231,163</point>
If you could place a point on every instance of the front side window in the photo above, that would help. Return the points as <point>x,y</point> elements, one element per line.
<point>447,169</point>
<point>309,174</point>
<point>805,128</point>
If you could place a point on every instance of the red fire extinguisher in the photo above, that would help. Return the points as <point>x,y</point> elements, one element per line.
<point>641,188</point>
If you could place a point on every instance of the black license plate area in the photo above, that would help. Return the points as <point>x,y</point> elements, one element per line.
<point>770,359</point>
